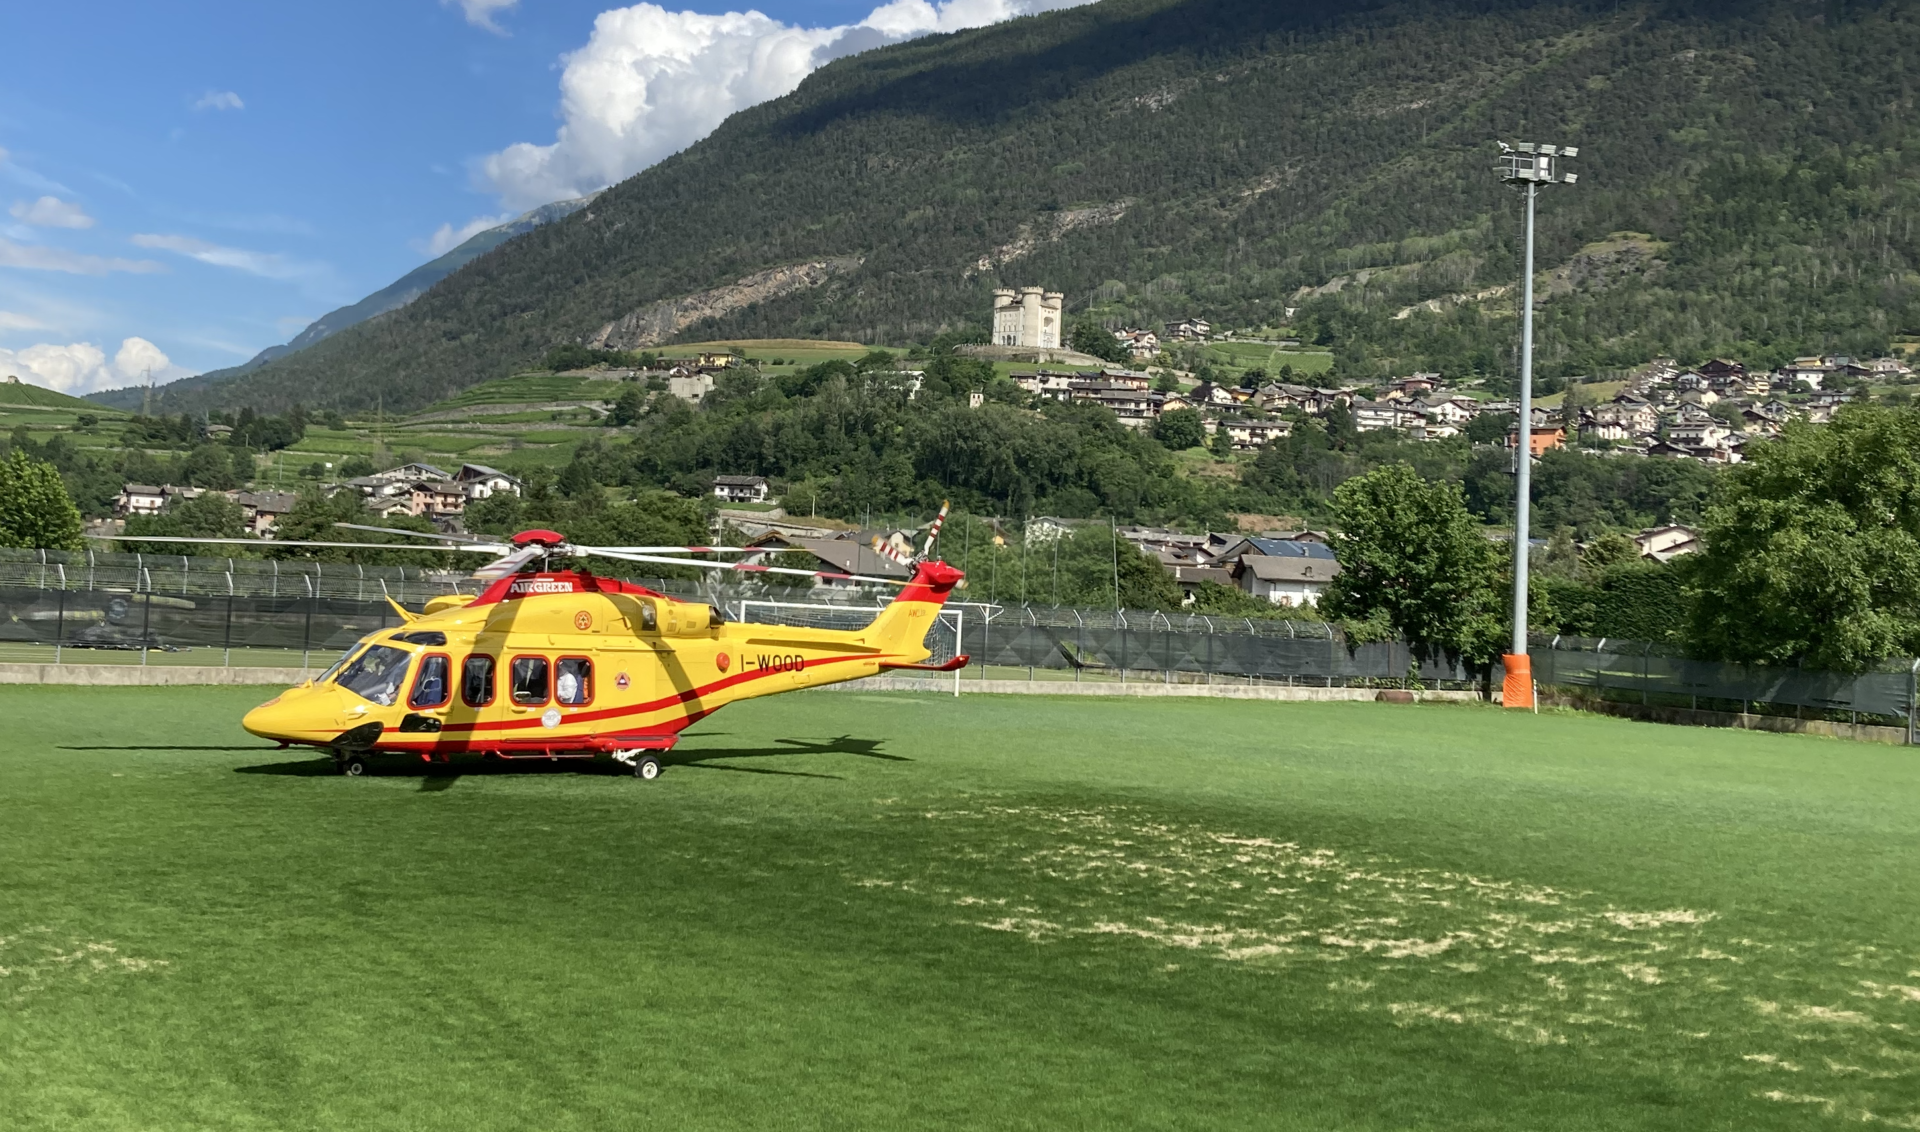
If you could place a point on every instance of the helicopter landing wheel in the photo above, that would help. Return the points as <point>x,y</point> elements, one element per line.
<point>353,766</point>
<point>647,767</point>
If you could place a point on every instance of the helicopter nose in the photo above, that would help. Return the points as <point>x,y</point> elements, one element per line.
<point>271,720</point>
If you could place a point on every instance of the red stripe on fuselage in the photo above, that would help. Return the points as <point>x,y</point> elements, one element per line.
<point>652,706</point>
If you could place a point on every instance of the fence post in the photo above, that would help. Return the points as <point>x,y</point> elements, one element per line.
<point>226,641</point>
<point>306,637</point>
<point>1079,644</point>
<point>276,577</point>
<point>43,569</point>
<point>183,573</point>
<point>1913,687</point>
<point>60,622</point>
<point>146,612</point>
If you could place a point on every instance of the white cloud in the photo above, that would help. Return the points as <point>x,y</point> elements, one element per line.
<point>265,264</point>
<point>51,212</point>
<point>14,320</point>
<point>219,100</point>
<point>447,237</point>
<point>480,12</point>
<point>650,82</point>
<point>37,257</point>
<point>82,367</point>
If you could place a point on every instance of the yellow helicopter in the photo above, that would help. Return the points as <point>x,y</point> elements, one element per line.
<point>549,662</point>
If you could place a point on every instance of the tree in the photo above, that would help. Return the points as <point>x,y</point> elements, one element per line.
<point>1180,429</point>
<point>1412,559</point>
<point>1089,337</point>
<point>1221,445</point>
<point>210,516</point>
<point>1490,428</point>
<point>36,513</point>
<point>1813,547</point>
<point>627,408</point>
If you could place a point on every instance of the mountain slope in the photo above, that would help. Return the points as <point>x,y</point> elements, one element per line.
<point>397,294</point>
<point>1238,158</point>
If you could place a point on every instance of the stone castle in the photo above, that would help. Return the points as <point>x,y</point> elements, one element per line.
<point>1029,317</point>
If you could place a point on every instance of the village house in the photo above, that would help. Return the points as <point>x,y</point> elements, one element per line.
<point>262,511</point>
<point>1284,571</point>
<point>410,472</point>
<point>1131,378</point>
<point>1134,407</point>
<point>1213,396</point>
<point>1140,344</point>
<point>689,384</point>
<point>1189,329</point>
<point>139,499</point>
<point>1720,370</point>
<point>480,481</point>
<point>1417,385</point>
<point>1697,432</point>
<point>1054,385</point>
<point>1248,435</point>
<point>1664,544</point>
<point>1540,438</point>
<point>1810,370</point>
<point>741,489</point>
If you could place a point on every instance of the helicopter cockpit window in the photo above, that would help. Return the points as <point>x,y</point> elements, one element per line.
<point>649,618</point>
<point>337,665</point>
<point>376,675</point>
<point>529,676</point>
<point>422,637</point>
<point>574,684</point>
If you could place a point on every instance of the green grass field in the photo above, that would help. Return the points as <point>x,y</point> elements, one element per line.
<point>914,911</point>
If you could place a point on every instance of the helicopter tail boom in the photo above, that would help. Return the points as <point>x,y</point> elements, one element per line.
<point>901,628</point>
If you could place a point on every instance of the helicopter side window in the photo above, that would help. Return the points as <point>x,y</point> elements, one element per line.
<point>529,679</point>
<point>376,675</point>
<point>574,684</point>
<point>649,620</point>
<point>430,688</point>
<point>476,681</point>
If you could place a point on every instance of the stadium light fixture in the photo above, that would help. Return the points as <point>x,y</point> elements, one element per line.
<point>1529,166</point>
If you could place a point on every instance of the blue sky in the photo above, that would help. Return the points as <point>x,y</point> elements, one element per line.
<point>185,184</point>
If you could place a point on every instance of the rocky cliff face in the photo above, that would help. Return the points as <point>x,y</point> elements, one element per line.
<point>656,322</point>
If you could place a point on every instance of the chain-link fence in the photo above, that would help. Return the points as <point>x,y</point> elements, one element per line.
<point>123,607</point>
<point>1653,674</point>
<point>185,576</point>
<point>94,606</point>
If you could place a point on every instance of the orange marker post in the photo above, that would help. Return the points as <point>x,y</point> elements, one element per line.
<point>1517,691</point>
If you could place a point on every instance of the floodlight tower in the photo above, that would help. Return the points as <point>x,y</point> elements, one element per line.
<point>1529,166</point>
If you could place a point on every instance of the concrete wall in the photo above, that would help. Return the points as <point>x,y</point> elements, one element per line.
<point>147,676</point>
<point>944,686</point>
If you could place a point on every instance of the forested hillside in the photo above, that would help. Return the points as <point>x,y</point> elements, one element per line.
<point>1162,157</point>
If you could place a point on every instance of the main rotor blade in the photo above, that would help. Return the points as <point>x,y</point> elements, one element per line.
<point>577,549</point>
<point>416,534</point>
<point>501,567</point>
<point>272,542</point>
<point>752,568</point>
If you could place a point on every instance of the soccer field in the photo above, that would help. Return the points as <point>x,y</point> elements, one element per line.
<point>892,911</point>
